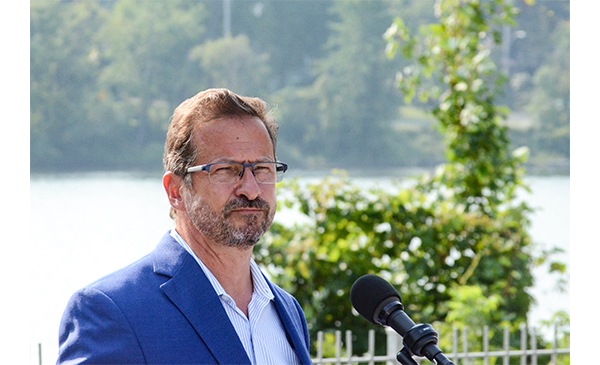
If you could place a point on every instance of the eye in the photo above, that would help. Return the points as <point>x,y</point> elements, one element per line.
<point>263,167</point>
<point>224,168</point>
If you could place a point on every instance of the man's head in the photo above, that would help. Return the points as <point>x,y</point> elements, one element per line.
<point>180,151</point>
<point>218,126</point>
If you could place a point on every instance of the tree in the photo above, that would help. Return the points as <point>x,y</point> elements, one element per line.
<point>482,170</point>
<point>147,72</point>
<point>64,67</point>
<point>106,75</point>
<point>483,174</point>
<point>231,63</point>
<point>349,115</point>
<point>292,33</point>
<point>457,236</point>
<point>354,86</point>
<point>105,78</point>
<point>551,102</point>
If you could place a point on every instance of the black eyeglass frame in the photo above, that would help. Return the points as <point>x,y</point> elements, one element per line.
<point>280,169</point>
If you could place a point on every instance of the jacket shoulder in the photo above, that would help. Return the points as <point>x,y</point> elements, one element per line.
<point>155,267</point>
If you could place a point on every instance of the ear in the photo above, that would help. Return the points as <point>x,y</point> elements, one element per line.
<point>173,185</point>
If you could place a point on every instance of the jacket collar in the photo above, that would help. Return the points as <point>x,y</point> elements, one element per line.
<point>191,292</point>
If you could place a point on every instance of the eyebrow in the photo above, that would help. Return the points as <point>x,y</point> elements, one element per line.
<point>261,159</point>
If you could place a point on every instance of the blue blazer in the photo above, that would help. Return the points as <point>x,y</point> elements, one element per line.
<point>162,310</point>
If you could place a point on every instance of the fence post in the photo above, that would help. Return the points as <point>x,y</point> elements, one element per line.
<point>320,347</point>
<point>523,344</point>
<point>40,353</point>
<point>349,346</point>
<point>534,357</point>
<point>554,344</point>
<point>393,345</point>
<point>528,351</point>
<point>506,360</point>
<point>371,347</point>
<point>338,347</point>
<point>465,346</point>
<point>486,345</point>
<point>455,344</point>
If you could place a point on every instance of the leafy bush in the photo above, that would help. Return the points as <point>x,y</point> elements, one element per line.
<point>455,244</point>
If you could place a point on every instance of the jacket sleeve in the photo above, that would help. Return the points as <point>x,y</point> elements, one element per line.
<point>94,330</point>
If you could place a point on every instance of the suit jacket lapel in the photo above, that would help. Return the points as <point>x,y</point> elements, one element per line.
<point>194,296</point>
<point>294,332</point>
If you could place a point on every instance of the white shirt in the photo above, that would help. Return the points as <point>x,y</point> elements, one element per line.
<point>261,333</point>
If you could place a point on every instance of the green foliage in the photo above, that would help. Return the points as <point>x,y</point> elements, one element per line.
<point>64,66</point>
<point>469,307</point>
<point>424,244</point>
<point>455,52</point>
<point>144,47</point>
<point>106,76</point>
<point>559,324</point>
<point>550,102</point>
<point>356,103</point>
<point>106,80</point>
<point>455,244</point>
<point>231,63</point>
<point>292,33</point>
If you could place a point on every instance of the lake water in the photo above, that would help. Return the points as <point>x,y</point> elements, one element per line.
<point>85,226</point>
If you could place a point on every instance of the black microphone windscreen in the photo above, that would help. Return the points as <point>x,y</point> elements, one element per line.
<point>368,292</point>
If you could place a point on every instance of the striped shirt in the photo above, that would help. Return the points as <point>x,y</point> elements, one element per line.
<point>261,333</point>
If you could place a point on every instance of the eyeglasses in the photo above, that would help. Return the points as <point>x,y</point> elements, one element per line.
<point>232,172</point>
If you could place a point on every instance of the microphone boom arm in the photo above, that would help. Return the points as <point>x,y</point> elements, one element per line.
<point>418,339</point>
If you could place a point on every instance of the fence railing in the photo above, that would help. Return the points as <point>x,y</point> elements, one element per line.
<point>458,354</point>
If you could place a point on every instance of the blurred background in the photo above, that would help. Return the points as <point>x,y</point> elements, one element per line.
<point>105,77</point>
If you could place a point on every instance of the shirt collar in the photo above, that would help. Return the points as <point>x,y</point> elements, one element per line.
<point>261,287</point>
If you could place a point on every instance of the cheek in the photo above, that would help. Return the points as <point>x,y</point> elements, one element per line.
<point>218,199</point>
<point>213,195</point>
<point>268,192</point>
<point>271,198</point>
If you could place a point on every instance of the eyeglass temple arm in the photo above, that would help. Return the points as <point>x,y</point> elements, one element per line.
<point>196,168</point>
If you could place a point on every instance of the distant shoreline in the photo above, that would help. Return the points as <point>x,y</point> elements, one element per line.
<point>549,168</point>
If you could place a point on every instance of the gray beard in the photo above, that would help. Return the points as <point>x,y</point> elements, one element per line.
<point>217,226</point>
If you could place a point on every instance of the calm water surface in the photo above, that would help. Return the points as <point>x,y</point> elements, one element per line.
<point>86,226</point>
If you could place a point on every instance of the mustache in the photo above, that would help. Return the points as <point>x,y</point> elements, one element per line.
<point>244,202</point>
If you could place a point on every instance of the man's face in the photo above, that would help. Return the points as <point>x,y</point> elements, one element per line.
<point>238,214</point>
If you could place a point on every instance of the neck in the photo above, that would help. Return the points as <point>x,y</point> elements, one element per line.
<point>229,265</point>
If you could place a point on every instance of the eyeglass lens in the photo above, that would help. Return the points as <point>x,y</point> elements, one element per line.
<point>231,172</point>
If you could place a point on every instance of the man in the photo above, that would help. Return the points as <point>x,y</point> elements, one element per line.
<point>199,298</point>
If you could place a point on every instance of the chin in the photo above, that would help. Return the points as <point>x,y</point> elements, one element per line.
<point>243,242</point>
<point>246,236</point>
<point>249,232</point>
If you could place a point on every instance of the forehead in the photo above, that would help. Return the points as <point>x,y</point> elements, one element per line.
<point>233,138</point>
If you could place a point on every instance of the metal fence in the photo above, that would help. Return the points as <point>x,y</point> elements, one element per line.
<point>460,355</point>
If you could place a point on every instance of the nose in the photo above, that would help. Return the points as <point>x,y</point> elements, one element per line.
<point>248,185</point>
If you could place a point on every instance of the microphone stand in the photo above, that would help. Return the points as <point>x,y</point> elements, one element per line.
<point>404,357</point>
<point>421,340</point>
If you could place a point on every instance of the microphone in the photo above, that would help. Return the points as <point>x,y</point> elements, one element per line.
<point>378,301</point>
